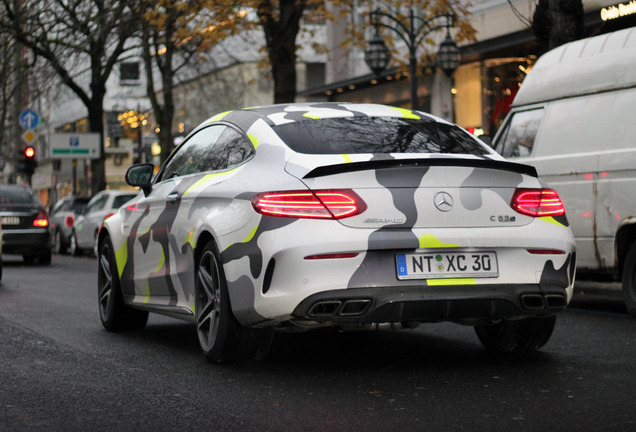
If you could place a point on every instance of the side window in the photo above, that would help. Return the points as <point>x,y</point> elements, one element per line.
<point>214,148</point>
<point>97,204</point>
<point>194,155</point>
<point>231,149</point>
<point>58,207</point>
<point>519,133</point>
<point>78,206</point>
<point>120,200</point>
<point>66,206</point>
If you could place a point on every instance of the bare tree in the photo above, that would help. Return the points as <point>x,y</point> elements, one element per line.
<point>174,35</point>
<point>73,36</point>
<point>18,72</point>
<point>7,93</point>
<point>283,20</point>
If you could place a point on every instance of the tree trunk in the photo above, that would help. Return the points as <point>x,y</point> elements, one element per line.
<point>280,36</point>
<point>556,22</point>
<point>167,111</point>
<point>96,123</point>
<point>165,134</point>
<point>283,60</point>
<point>163,110</point>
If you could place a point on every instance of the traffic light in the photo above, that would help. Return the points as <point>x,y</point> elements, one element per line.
<point>26,161</point>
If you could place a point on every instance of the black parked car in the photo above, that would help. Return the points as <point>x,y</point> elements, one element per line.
<point>25,224</point>
<point>61,218</point>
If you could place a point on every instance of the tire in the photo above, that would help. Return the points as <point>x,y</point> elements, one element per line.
<point>523,335</point>
<point>629,280</point>
<point>95,249</point>
<point>59,246</point>
<point>45,257</point>
<point>536,332</point>
<point>221,337</point>
<point>73,249</point>
<point>114,314</point>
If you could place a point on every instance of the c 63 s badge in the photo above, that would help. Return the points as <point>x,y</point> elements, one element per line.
<point>502,218</point>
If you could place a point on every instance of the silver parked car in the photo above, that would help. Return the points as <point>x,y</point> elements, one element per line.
<point>61,219</point>
<point>86,225</point>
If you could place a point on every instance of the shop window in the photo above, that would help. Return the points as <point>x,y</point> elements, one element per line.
<point>504,77</point>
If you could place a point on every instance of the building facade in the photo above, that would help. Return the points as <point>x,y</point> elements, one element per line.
<point>476,97</point>
<point>479,94</point>
<point>228,77</point>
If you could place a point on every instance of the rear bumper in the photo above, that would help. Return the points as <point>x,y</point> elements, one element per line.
<point>26,241</point>
<point>363,285</point>
<point>468,304</point>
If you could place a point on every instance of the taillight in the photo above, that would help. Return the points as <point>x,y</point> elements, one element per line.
<point>537,202</point>
<point>41,220</point>
<point>322,204</point>
<point>68,221</point>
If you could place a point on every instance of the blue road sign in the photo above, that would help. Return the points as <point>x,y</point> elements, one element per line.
<point>29,119</point>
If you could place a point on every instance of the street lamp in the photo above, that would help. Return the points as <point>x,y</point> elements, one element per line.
<point>448,56</point>
<point>377,54</point>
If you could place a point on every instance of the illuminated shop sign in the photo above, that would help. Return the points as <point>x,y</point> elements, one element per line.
<point>618,11</point>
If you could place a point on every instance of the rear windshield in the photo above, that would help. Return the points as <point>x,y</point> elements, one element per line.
<point>17,195</point>
<point>376,135</point>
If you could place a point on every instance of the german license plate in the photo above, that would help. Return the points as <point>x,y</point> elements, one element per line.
<point>443,264</point>
<point>10,220</point>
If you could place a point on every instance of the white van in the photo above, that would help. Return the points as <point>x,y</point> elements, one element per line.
<point>574,119</point>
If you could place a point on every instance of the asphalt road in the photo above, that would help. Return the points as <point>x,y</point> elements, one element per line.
<point>60,371</point>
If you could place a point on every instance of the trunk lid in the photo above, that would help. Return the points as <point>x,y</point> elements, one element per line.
<point>15,217</point>
<point>406,193</point>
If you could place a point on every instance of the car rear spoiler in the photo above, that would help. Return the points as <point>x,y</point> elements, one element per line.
<point>392,163</point>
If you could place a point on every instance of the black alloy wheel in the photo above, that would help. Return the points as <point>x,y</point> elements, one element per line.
<point>114,314</point>
<point>221,337</point>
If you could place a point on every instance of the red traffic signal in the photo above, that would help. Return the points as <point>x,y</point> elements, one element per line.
<point>26,160</point>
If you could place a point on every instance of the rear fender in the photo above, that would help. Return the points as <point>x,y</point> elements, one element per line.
<point>625,237</point>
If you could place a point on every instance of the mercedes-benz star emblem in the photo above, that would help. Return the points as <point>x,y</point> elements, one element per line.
<point>443,201</point>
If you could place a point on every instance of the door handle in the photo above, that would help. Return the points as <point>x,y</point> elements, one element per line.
<point>173,197</point>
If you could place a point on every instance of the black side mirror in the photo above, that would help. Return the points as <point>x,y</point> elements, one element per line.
<point>140,175</point>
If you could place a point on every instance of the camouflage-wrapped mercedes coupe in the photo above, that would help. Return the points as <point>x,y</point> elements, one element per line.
<point>334,214</point>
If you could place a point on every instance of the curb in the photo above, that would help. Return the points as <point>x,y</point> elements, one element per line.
<point>598,295</point>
